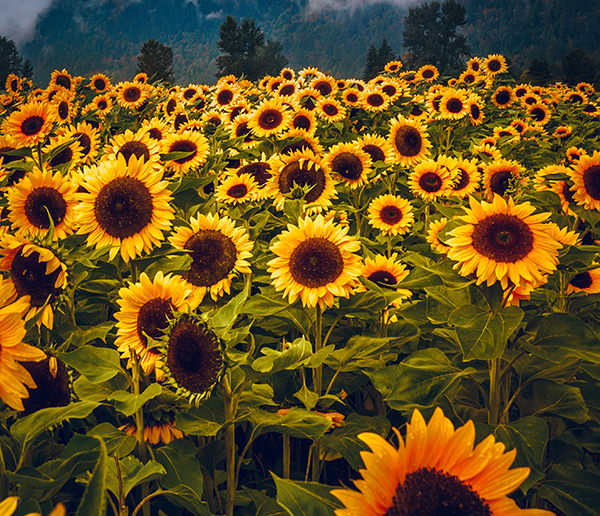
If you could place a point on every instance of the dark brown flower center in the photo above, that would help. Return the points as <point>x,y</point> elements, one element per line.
<point>323,87</point>
<point>538,114</point>
<point>299,145</point>
<point>375,152</point>
<point>567,193</point>
<point>132,94</point>
<point>463,180</point>
<point>180,119</point>
<point>352,97</point>
<point>287,90</point>
<point>430,182</point>
<point>454,105</point>
<point>382,278</point>
<point>123,207</point>
<point>375,100</point>
<point>152,319</point>
<point>475,111</point>
<point>170,107</point>
<point>330,109</point>
<point>238,191</point>
<point>102,104</point>
<point>302,175</point>
<point>30,279</point>
<point>502,238</point>
<point>193,357</point>
<point>429,492</point>
<point>316,262</point>
<point>52,385</point>
<point>32,125</point>
<point>133,148</point>
<point>189,93</point>
<point>184,146</point>
<point>259,170</point>
<point>347,165</point>
<point>389,90</point>
<point>85,142</point>
<point>270,119</point>
<point>494,65</point>
<point>100,84</point>
<point>213,257</point>
<point>408,141</point>
<point>64,156</point>
<point>63,110</point>
<point>500,182</point>
<point>583,280</point>
<point>7,157</point>
<point>428,74</point>
<point>224,97</point>
<point>391,215</point>
<point>591,181</point>
<point>503,97</point>
<point>301,122</point>
<point>40,202</point>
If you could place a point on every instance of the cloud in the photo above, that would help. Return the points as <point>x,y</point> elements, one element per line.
<point>18,18</point>
<point>352,5</point>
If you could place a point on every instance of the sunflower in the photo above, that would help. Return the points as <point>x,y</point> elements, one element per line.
<point>191,142</point>
<point>270,118</point>
<point>103,105</point>
<point>374,100</point>
<point>435,471</point>
<point>352,97</point>
<point>574,154</point>
<point>377,147</point>
<point>155,432</point>
<point>386,273</point>
<point>435,228</point>
<point>391,214</point>
<point>349,163</point>
<point>131,95</point>
<point>508,132</point>
<point>126,205</point>
<point>467,179</point>
<point>156,128</point>
<point>66,159</point>
<point>224,95</point>
<point>307,98</point>
<point>586,179</point>
<point>502,241</point>
<point>145,310</point>
<point>30,124</point>
<point>315,261</point>
<point>287,89</point>
<point>475,107</point>
<point>64,108</point>
<point>239,128</point>
<point>494,64</point>
<point>62,79</point>
<point>259,170</point>
<point>330,110</point>
<point>591,109</point>
<point>539,113</point>
<point>503,177</point>
<point>468,77</point>
<point>52,384</point>
<point>474,64</point>
<point>588,282</point>
<point>38,197</point>
<point>301,170</point>
<point>237,189</point>
<point>503,97</point>
<point>305,120</point>
<point>88,139</point>
<point>429,180</point>
<point>562,132</point>
<point>35,272</point>
<point>487,152</point>
<point>427,73</point>
<point>409,141</point>
<point>100,83</point>
<point>301,140</point>
<point>129,144</point>
<point>454,105</point>
<point>325,85</point>
<point>13,83</point>
<point>141,78</point>
<point>14,378</point>
<point>219,252</point>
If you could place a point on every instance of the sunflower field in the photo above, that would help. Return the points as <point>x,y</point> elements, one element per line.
<point>300,296</point>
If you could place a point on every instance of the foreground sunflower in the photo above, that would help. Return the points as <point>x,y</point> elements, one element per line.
<point>30,124</point>
<point>270,118</point>
<point>192,142</point>
<point>409,141</point>
<point>125,205</point>
<point>219,252</point>
<point>435,471</point>
<point>315,261</point>
<point>349,163</point>
<point>502,241</point>
<point>586,176</point>
<point>391,214</point>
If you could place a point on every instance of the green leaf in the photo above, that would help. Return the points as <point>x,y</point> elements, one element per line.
<point>27,429</point>
<point>128,403</point>
<point>563,335</point>
<point>83,336</point>
<point>293,357</point>
<point>300,423</point>
<point>133,472</point>
<point>116,440</point>
<point>483,335</point>
<point>262,305</point>
<point>575,492</point>
<point>98,392</point>
<point>186,497</point>
<point>183,473</point>
<point>28,507</point>
<point>305,498</point>
<point>225,317</point>
<point>418,381</point>
<point>96,364</point>
<point>529,436</point>
<point>308,398</point>
<point>345,441</point>
<point>93,502</point>
<point>265,505</point>
<point>544,396</point>
<point>362,353</point>
<point>206,419</point>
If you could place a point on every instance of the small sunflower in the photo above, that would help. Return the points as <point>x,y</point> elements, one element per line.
<point>270,118</point>
<point>474,64</point>
<point>219,252</point>
<point>36,272</point>
<point>588,282</point>
<point>393,66</point>
<point>562,132</point>
<point>103,105</point>
<point>430,181</point>
<point>475,107</point>
<point>138,144</point>
<point>503,177</point>
<point>68,158</point>
<point>427,73</point>
<point>30,124</point>
<point>574,154</point>
<point>38,197</point>
<point>100,83</point>
<point>391,214</point>
<point>191,142</point>
<point>88,139</point>
<point>409,140</point>
<point>64,108</point>
<point>377,147</point>
<point>467,178</point>
<point>305,170</point>
<point>348,162</point>
<point>237,189</point>
<point>155,432</point>
<point>539,113</point>
<point>494,64</point>
<point>156,128</point>
<point>63,79</point>
<point>454,105</point>
<point>374,100</point>
<point>330,110</point>
<point>502,241</point>
<point>434,471</point>
<point>586,179</point>
<point>315,261</point>
<point>386,273</point>
<point>125,205</point>
<point>325,85</point>
<point>240,127</point>
<point>352,97</point>
<point>224,95</point>
<point>435,228</point>
<point>305,120</point>
<point>131,95</point>
<point>145,310</point>
<point>259,170</point>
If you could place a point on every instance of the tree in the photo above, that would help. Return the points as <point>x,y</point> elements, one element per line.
<point>539,73</point>
<point>10,61</point>
<point>430,36</point>
<point>156,61</point>
<point>377,58</point>
<point>578,67</point>
<point>244,50</point>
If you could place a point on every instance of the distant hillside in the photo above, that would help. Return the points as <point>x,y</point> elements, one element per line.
<point>87,36</point>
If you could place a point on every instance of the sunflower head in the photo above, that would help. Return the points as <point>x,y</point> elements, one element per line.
<point>409,140</point>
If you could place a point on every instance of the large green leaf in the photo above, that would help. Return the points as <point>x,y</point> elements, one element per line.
<point>96,364</point>
<point>133,472</point>
<point>547,397</point>
<point>93,502</point>
<point>345,441</point>
<point>116,440</point>
<point>206,419</point>
<point>27,429</point>
<point>305,498</point>
<point>418,381</point>
<point>98,392</point>
<point>128,403</point>
<point>529,436</point>
<point>483,335</point>
<point>265,505</point>
<point>361,353</point>
<point>300,423</point>
<point>293,357</point>
<point>427,273</point>
<point>225,317</point>
<point>186,497</point>
<point>560,336</point>
<point>82,336</point>
<point>575,492</point>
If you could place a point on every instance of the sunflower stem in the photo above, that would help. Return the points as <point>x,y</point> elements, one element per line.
<point>317,381</point>
<point>494,408</point>
<point>39,153</point>
<point>133,270</point>
<point>3,482</point>
<point>229,445</point>
<point>139,429</point>
<point>286,456</point>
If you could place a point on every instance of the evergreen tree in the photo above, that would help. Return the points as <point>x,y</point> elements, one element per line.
<point>244,51</point>
<point>10,61</point>
<point>377,58</point>
<point>538,73</point>
<point>578,67</point>
<point>156,61</point>
<point>431,36</point>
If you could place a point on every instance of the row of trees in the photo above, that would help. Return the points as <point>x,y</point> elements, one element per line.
<point>575,67</point>
<point>12,62</point>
